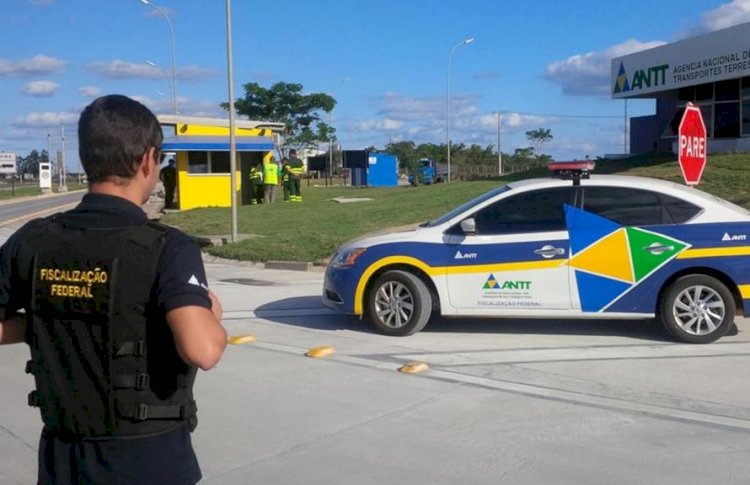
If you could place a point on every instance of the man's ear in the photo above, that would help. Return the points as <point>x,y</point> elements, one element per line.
<point>147,162</point>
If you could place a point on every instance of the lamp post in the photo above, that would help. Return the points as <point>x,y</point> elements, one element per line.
<point>163,73</point>
<point>174,61</point>
<point>466,41</point>
<point>232,141</point>
<point>499,143</point>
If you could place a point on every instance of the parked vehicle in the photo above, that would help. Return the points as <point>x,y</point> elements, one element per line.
<point>612,247</point>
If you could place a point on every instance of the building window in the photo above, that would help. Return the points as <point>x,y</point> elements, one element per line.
<point>197,162</point>
<point>727,120</point>
<point>728,90</point>
<point>746,117</point>
<point>208,162</point>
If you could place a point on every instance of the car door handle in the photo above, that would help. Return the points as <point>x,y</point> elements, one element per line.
<point>549,251</point>
<point>657,248</point>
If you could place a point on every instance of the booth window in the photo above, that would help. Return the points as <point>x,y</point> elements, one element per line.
<point>208,162</point>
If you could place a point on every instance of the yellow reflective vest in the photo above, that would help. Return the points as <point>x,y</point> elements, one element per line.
<point>271,173</point>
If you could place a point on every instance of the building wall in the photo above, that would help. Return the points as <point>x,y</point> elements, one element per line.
<point>711,71</point>
<point>209,190</point>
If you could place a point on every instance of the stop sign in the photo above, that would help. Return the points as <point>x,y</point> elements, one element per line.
<point>692,145</point>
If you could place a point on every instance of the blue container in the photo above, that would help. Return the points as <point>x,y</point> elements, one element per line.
<point>382,170</point>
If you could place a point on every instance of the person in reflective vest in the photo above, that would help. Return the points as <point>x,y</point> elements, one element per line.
<point>117,314</point>
<point>296,170</point>
<point>271,178</point>
<point>285,178</point>
<point>256,184</point>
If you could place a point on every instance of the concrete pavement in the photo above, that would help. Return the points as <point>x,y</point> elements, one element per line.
<point>521,402</point>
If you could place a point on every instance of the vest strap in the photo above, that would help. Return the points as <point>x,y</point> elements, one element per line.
<point>137,349</point>
<point>138,382</point>
<point>142,412</point>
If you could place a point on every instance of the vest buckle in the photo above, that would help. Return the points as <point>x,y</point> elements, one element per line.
<point>142,381</point>
<point>140,348</point>
<point>33,399</point>
<point>30,366</point>
<point>141,412</point>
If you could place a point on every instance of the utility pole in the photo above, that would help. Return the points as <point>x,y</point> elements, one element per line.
<point>61,161</point>
<point>499,143</point>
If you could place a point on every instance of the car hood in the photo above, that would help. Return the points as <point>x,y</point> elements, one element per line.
<point>391,234</point>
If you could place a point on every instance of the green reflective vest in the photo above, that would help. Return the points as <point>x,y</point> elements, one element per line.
<point>271,173</point>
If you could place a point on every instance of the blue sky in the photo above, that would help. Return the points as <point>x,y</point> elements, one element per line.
<point>544,64</point>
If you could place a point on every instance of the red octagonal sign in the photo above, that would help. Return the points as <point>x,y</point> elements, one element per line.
<point>692,145</point>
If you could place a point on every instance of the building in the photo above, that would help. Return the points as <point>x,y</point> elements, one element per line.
<point>201,147</point>
<point>711,71</point>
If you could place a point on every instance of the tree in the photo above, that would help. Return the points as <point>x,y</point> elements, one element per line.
<point>30,163</point>
<point>539,137</point>
<point>285,103</point>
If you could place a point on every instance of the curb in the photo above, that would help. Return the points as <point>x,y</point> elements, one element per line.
<point>289,265</point>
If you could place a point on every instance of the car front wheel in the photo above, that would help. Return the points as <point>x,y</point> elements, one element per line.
<point>697,309</point>
<point>399,304</point>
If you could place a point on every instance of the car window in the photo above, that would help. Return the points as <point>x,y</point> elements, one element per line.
<point>679,210</point>
<point>533,211</point>
<point>464,207</point>
<point>637,207</point>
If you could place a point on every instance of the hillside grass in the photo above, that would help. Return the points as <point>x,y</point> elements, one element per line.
<point>312,230</point>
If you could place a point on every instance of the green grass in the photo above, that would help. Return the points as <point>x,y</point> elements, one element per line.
<point>8,192</point>
<point>312,230</point>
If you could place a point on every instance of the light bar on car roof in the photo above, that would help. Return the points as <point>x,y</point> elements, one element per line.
<point>572,170</point>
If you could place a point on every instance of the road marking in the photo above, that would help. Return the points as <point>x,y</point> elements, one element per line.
<point>574,354</point>
<point>41,213</point>
<point>538,391</point>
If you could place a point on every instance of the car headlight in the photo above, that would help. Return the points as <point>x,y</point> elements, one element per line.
<point>347,257</point>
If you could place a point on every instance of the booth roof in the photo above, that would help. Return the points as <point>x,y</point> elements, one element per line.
<point>217,144</point>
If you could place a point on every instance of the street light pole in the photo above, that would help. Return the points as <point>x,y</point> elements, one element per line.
<point>163,73</point>
<point>174,60</point>
<point>499,143</point>
<point>63,180</point>
<point>466,41</point>
<point>232,143</point>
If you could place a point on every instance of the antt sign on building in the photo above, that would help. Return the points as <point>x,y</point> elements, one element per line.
<point>692,145</point>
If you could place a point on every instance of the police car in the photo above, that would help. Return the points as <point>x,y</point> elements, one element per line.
<point>571,246</point>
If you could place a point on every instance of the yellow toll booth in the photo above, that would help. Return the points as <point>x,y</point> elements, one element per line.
<point>201,146</point>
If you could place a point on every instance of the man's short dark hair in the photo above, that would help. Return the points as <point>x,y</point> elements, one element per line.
<point>114,132</point>
<point>292,152</point>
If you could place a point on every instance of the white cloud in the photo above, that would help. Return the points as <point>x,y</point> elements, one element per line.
<point>726,15</point>
<point>90,91</point>
<point>185,106</point>
<point>45,119</point>
<point>119,69</point>
<point>589,74</point>
<point>385,124</point>
<point>40,89</point>
<point>39,64</point>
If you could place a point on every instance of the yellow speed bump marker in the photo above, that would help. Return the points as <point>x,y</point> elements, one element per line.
<point>241,339</point>
<point>322,351</point>
<point>414,367</point>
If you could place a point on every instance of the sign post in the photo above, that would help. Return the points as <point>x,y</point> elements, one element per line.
<point>692,145</point>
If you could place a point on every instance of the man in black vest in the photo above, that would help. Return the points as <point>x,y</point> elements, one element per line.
<point>118,316</point>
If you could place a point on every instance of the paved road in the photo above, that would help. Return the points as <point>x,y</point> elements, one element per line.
<point>518,402</point>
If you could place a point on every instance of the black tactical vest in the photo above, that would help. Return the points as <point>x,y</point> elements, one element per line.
<point>102,356</point>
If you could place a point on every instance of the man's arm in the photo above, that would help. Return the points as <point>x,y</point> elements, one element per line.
<point>13,330</point>
<point>198,334</point>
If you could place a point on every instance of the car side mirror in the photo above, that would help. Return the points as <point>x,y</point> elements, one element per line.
<point>469,226</point>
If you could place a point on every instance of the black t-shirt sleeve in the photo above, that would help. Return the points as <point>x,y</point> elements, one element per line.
<point>13,291</point>
<point>181,276</point>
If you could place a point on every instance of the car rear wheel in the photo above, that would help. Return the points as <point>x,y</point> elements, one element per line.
<point>399,304</point>
<point>697,309</point>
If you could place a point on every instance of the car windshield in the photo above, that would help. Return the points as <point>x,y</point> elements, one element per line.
<point>458,210</point>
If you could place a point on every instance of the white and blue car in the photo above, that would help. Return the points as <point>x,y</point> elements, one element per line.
<point>583,247</point>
